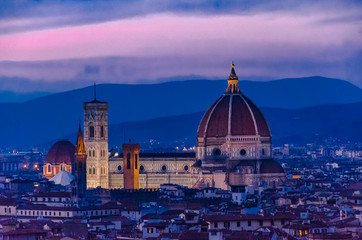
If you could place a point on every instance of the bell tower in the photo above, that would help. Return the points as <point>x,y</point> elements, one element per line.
<point>131,166</point>
<point>96,142</point>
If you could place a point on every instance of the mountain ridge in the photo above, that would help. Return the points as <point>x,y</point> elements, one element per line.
<point>50,117</point>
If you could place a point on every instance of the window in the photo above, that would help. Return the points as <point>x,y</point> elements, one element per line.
<point>164,168</point>
<point>9,210</point>
<point>283,221</point>
<point>94,153</point>
<point>136,161</point>
<point>128,161</point>
<point>186,168</point>
<point>142,168</point>
<point>80,165</point>
<point>249,223</point>
<point>102,131</point>
<point>94,170</point>
<point>272,222</point>
<point>216,152</point>
<point>238,223</point>
<point>49,168</point>
<point>90,171</point>
<point>90,153</point>
<point>242,152</point>
<point>215,224</point>
<point>149,230</point>
<point>119,168</point>
<point>261,223</point>
<point>263,151</point>
<point>91,132</point>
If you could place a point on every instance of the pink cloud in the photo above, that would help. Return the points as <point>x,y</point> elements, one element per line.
<point>254,36</point>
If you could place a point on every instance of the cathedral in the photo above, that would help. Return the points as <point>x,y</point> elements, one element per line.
<point>234,149</point>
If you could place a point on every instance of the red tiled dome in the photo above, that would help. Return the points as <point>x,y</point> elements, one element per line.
<point>61,151</point>
<point>233,115</point>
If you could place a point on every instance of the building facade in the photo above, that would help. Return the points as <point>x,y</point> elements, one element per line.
<point>156,169</point>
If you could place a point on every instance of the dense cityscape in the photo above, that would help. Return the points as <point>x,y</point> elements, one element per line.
<point>321,199</point>
<point>82,191</point>
<point>180,120</point>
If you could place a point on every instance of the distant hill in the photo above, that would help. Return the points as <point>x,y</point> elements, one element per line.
<point>52,117</point>
<point>299,126</point>
<point>10,96</point>
<point>342,121</point>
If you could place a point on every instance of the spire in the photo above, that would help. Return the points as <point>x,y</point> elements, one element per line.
<point>80,147</point>
<point>233,82</point>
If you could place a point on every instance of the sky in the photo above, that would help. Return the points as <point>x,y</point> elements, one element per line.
<point>63,44</point>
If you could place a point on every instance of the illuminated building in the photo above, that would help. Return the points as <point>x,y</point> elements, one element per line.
<point>234,142</point>
<point>233,150</point>
<point>96,143</point>
<point>59,157</point>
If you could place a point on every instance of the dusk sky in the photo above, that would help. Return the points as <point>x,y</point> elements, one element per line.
<point>155,40</point>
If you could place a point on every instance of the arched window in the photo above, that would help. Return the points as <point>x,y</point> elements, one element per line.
<point>90,171</point>
<point>102,131</point>
<point>49,168</point>
<point>90,153</point>
<point>91,132</point>
<point>136,161</point>
<point>128,161</point>
<point>94,153</point>
<point>94,170</point>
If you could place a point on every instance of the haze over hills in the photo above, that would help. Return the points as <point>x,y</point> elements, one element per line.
<point>304,125</point>
<point>52,117</point>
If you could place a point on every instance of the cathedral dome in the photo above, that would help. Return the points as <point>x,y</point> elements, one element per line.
<point>232,128</point>
<point>61,152</point>
<point>233,114</point>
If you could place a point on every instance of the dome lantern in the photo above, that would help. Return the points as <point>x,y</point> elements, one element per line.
<point>233,82</point>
